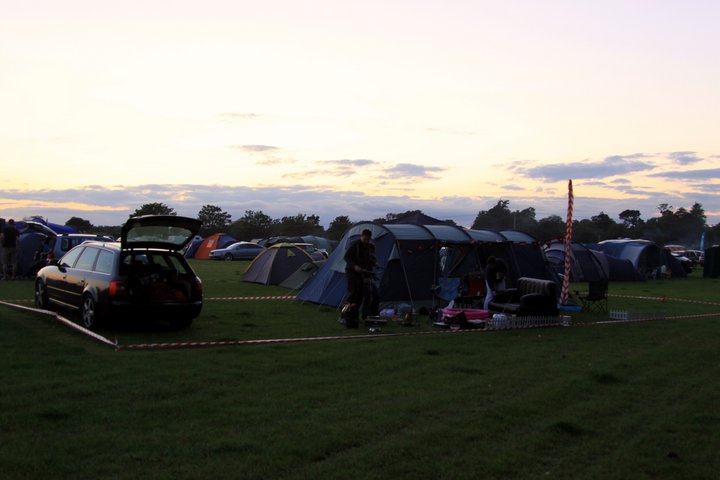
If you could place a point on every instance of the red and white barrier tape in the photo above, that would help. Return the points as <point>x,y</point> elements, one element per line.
<point>267,297</point>
<point>138,346</point>
<point>667,299</point>
<point>282,297</point>
<point>65,321</point>
<point>673,317</point>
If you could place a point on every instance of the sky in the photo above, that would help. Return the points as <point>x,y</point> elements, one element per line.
<point>358,108</point>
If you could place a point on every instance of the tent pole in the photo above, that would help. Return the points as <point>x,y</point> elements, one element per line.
<point>407,282</point>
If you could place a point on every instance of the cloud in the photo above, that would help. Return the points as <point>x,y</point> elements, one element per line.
<point>333,168</point>
<point>706,187</point>
<point>354,163</point>
<point>701,174</point>
<point>255,148</point>
<point>337,172</point>
<point>111,206</point>
<point>610,166</point>
<point>411,170</point>
<point>635,190</point>
<point>684,158</point>
<point>275,161</point>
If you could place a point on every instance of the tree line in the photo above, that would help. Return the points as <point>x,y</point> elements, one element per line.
<point>672,225</point>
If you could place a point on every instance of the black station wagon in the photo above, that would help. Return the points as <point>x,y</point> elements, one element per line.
<point>143,275</point>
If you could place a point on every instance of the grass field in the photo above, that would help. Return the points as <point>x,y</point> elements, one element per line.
<point>629,400</point>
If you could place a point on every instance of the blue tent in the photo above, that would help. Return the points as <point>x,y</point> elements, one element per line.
<point>424,262</point>
<point>586,265</point>
<point>646,256</point>
<point>55,227</point>
<point>192,247</point>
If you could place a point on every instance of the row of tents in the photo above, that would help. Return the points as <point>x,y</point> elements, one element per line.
<point>429,263</point>
<point>615,260</point>
<point>416,262</point>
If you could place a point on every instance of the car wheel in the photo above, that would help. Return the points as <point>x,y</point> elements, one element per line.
<point>228,257</point>
<point>41,298</point>
<point>88,312</point>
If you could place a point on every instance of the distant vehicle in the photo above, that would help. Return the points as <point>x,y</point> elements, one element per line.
<point>697,256</point>
<point>143,275</point>
<point>237,251</point>
<point>65,242</point>
<point>315,252</point>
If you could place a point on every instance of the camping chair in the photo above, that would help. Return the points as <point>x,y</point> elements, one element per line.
<point>596,298</point>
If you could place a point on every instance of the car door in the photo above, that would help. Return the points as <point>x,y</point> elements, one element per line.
<point>237,251</point>
<point>56,281</point>
<point>243,252</point>
<point>77,277</point>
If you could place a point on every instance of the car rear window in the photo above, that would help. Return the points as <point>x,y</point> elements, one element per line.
<point>174,262</point>
<point>164,259</point>
<point>104,262</point>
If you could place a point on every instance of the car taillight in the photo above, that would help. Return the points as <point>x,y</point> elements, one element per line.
<point>118,289</point>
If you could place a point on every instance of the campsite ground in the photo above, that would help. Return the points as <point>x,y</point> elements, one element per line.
<point>627,400</point>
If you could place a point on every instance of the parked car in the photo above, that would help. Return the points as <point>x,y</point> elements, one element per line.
<point>315,253</point>
<point>143,275</point>
<point>237,251</point>
<point>63,243</point>
<point>697,256</point>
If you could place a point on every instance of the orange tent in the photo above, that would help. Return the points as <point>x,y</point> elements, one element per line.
<point>213,242</point>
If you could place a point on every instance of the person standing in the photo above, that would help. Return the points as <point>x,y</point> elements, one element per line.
<point>9,243</point>
<point>358,264</point>
<point>495,272</point>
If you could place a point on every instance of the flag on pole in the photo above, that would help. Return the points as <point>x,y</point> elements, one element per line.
<point>564,292</point>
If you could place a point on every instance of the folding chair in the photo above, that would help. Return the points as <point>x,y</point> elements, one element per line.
<point>596,299</point>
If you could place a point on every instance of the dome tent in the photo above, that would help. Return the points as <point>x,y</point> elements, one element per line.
<point>213,242</point>
<point>275,264</point>
<point>646,256</point>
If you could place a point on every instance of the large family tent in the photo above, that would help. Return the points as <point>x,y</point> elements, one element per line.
<point>426,262</point>
<point>30,242</point>
<point>647,257</point>
<point>34,238</point>
<point>213,242</point>
<point>275,264</point>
